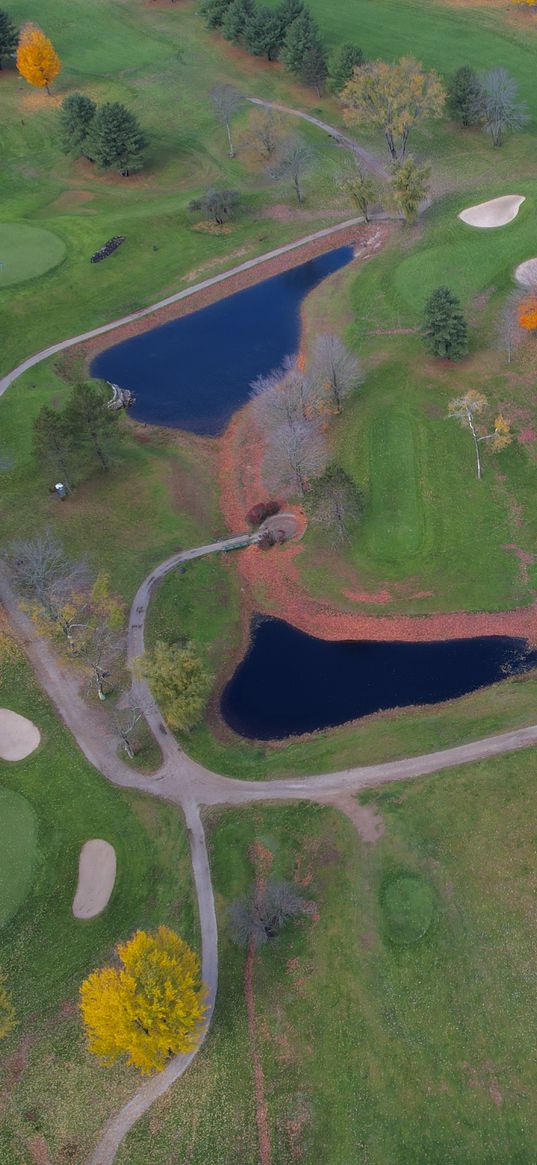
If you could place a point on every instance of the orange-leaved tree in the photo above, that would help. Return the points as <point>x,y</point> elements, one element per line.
<point>151,1008</point>
<point>527,313</point>
<point>37,59</point>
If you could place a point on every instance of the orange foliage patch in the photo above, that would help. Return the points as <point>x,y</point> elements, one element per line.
<point>37,59</point>
<point>527,313</point>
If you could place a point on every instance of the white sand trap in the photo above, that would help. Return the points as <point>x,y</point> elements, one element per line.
<point>526,273</point>
<point>18,736</point>
<point>496,213</point>
<point>96,877</point>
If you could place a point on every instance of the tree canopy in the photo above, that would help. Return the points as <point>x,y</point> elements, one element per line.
<point>409,187</point>
<point>445,332</point>
<point>464,96</point>
<point>342,62</point>
<point>76,118</point>
<point>9,36</point>
<point>179,681</point>
<point>393,97</point>
<point>115,140</point>
<point>149,1009</point>
<point>37,59</point>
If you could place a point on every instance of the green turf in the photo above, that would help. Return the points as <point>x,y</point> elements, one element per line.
<point>18,826</point>
<point>26,252</point>
<point>394,514</point>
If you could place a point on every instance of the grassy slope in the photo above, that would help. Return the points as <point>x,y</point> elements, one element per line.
<point>342,1010</point>
<point>46,952</point>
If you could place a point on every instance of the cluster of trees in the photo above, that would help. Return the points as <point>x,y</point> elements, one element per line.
<point>68,603</point>
<point>490,100</point>
<point>150,1007</point>
<point>288,32</point>
<point>66,441</point>
<point>292,407</point>
<point>108,134</point>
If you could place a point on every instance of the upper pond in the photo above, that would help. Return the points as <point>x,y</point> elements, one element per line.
<point>194,372</point>
<point>290,682</point>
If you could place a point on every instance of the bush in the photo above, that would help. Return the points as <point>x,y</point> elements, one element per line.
<point>108,249</point>
<point>261,511</point>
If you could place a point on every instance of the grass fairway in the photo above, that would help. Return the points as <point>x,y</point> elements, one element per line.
<point>26,252</point>
<point>397,1025</point>
<point>18,826</point>
<point>395,516</point>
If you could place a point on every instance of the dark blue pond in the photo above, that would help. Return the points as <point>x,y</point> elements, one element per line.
<point>290,682</point>
<point>194,372</point>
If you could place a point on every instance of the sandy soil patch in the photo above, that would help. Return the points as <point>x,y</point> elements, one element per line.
<point>496,213</point>
<point>526,273</point>
<point>18,736</point>
<point>96,877</point>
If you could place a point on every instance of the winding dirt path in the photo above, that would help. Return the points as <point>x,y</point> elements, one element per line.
<point>370,161</point>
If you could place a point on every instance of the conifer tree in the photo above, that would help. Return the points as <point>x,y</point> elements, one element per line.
<point>301,37</point>
<point>288,11</point>
<point>90,421</point>
<point>343,61</point>
<point>8,36</point>
<point>264,33</point>
<point>236,19</point>
<point>53,443</point>
<point>214,11</point>
<point>445,331</point>
<point>463,96</point>
<point>76,119</point>
<point>115,140</point>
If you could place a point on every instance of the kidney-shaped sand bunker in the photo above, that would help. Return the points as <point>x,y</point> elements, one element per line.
<point>96,877</point>
<point>496,213</point>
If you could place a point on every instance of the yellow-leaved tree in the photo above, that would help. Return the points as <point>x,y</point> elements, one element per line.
<point>37,59</point>
<point>394,97</point>
<point>151,1008</point>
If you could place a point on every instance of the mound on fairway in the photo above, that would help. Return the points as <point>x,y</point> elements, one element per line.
<point>18,736</point>
<point>496,213</point>
<point>18,835</point>
<point>526,273</point>
<point>96,877</point>
<point>26,252</point>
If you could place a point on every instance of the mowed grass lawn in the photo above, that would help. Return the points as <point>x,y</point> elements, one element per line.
<point>50,804</point>
<point>433,535</point>
<point>397,1025</point>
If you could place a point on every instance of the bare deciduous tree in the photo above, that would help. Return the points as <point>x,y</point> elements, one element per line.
<point>335,502</point>
<point>296,158</point>
<point>335,370</point>
<point>499,106</point>
<point>283,396</point>
<point>466,409</point>
<point>294,454</point>
<point>509,330</point>
<point>97,646</point>
<point>260,914</point>
<point>124,721</point>
<point>358,186</point>
<point>226,101</point>
<point>263,136</point>
<point>51,582</point>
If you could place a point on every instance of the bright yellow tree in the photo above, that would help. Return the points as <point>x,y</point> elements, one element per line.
<point>37,59</point>
<point>394,97</point>
<point>152,1008</point>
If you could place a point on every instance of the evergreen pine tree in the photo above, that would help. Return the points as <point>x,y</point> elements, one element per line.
<point>288,11</point>
<point>463,96</point>
<point>343,61</point>
<point>9,36</point>
<point>301,39</point>
<point>116,141</point>
<point>264,33</point>
<point>236,18</point>
<point>214,11</point>
<point>53,443</point>
<point>76,117</point>
<point>445,331</point>
<point>91,422</point>
<point>314,67</point>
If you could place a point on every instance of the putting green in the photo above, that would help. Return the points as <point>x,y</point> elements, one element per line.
<point>26,252</point>
<point>18,838</point>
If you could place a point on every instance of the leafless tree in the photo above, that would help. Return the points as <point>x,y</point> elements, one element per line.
<point>226,101</point>
<point>51,582</point>
<point>499,106</point>
<point>335,502</point>
<point>295,159</point>
<point>509,331</point>
<point>294,453</point>
<point>335,370</point>
<point>263,136</point>
<point>261,914</point>
<point>98,646</point>
<point>284,396</point>
<point>124,721</point>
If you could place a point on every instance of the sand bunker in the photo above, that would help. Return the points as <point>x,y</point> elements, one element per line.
<point>495,213</point>
<point>96,877</point>
<point>526,273</point>
<point>18,736</point>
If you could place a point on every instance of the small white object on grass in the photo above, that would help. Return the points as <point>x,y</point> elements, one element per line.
<point>496,213</point>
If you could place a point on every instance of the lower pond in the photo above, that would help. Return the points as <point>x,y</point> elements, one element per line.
<point>289,682</point>
<point>194,372</point>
